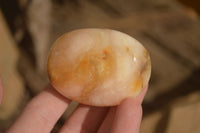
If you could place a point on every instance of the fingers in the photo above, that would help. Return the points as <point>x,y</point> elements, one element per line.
<point>44,110</point>
<point>85,119</point>
<point>1,91</point>
<point>40,115</point>
<point>128,117</point>
<point>140,97</point>
<point>108,121</point>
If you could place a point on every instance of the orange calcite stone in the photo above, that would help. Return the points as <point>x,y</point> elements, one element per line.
<point>98,67</point>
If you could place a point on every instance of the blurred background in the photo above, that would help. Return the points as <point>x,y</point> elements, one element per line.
<point>169,29</point>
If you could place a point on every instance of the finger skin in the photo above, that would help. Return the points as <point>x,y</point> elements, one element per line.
<point>40,115</point>
<point>128,117</point>
<point>1,90</point>
<point>140,97</point>
<point>79,121</point>
<point>107,123</point>
<point>85,119</point>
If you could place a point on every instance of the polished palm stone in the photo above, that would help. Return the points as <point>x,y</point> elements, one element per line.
<point>98,67</point>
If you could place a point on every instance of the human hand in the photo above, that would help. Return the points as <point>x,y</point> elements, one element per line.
<point>43,111</point>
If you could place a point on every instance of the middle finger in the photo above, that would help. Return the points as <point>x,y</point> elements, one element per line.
<point>85,119</point>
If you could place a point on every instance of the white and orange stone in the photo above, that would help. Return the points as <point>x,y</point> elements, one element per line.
<point>98,67</point>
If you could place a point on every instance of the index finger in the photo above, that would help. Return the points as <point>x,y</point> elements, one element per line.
<point>42,112</point>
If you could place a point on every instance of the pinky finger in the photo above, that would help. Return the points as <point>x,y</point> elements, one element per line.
<point>128,117</point>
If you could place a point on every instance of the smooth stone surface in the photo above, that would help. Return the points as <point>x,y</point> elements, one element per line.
<point>98,67</point>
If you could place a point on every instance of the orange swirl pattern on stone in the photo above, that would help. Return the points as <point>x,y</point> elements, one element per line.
<point>98,67</point>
